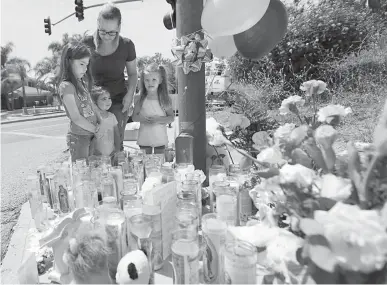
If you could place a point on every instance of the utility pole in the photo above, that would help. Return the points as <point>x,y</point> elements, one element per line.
<point>191,86</point>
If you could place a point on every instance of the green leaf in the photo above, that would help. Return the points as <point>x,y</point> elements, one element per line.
<point>268,173</point>
<point>315,153</point>
<point>311,227</point>
<point>325,204</point>
<point>323,257</point>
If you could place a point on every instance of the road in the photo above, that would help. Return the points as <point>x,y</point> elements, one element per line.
<point>24,147</point>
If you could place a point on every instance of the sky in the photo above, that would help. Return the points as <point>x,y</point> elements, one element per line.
<point>22,24</point>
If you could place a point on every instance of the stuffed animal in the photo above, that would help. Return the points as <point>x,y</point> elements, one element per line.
<point>133,268</point>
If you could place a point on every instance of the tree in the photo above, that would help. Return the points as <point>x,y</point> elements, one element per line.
<point>5,52</point>
<point>20,66</point>
<point>47,69</point>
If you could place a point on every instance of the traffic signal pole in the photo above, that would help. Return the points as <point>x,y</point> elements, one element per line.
<point>191,86</point>
<point>93,6</point>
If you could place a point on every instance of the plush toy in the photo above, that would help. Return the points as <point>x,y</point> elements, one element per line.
<point>133,268</point>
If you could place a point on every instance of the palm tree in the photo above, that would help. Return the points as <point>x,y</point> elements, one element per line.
<point>19,66</point>
<point>5,52</point>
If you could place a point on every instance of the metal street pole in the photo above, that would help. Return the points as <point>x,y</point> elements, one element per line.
<point>191,87</point>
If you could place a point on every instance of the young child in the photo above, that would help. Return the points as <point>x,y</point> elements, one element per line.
<point>108,141</point>
<point>87,258</point>
<point>74,91</point>
<point>153,110</point>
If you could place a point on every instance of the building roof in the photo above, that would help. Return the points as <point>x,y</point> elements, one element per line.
<point>31,91</point>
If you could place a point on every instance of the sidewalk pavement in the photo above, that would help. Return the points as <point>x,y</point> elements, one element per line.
<point>14,119</point>
<point>16,248</point>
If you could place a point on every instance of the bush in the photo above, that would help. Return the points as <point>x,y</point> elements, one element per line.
<point>317,35</point>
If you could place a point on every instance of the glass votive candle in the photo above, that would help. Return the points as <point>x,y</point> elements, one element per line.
<point>214,237</point>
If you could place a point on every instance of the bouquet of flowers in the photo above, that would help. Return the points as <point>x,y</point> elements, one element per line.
<point>327,201</point>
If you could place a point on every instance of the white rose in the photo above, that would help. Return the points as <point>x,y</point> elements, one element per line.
<point>282,134</point>
<point>261,140</point>
<point>330,112</point>
<point>288,104</point>
<point>313,86</point>
<point>238,120</point>
<point>335,188</point>
<point>271,155</point>
<point>356,237</point>
<point>297,174</point>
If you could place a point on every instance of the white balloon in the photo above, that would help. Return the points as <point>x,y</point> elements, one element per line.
<point>230,17</point>
<point>222,46</point>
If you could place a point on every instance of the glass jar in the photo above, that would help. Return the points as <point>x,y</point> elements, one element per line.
<point>130,185</point>
<point>187,217</point>
<point>240,261</point>
<point>154,213</point>
<point>140,232</point>
<point>226,202</point>
<point>181,169</point>
<point>214,238</point>
<point>185,257</point>
<point>167,172</point>
<point>216,173</point>
<point>108,186</point>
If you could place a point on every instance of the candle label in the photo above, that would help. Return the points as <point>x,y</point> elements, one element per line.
<point>63,199</point>
<point>211,263</point>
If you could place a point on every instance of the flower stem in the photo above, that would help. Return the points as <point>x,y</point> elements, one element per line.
<point>217,154</point>
<point>229,154</point>
<point>245,154</point>
<point>299,117</point>
<point>367,177</point>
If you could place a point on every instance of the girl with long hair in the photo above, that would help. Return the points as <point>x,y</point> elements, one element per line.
<point>74,91</point>
<point>153,109</point>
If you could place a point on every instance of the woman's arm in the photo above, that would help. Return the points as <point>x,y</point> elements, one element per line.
<point>75,116</point>
<point>131,68</point>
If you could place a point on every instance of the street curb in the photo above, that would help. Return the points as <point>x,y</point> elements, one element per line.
<point>33,119</point>
<point>16,249</point>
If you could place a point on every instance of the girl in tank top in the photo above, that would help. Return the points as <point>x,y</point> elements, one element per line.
<point>153,110</point>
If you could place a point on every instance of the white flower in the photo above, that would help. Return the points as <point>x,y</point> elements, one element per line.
<point>217,139</point>
<point>356,237</point>
<point>336,188</point>
<point>281,135</point>
<point>214,134</point>
<point>211,125</point>
<point>271,155</point>
<point>290,104</point>
<point>261,140</point>
<point>313,87</point>
<point>238,120</point>
<point>297,174</point>
<point>330,112</point>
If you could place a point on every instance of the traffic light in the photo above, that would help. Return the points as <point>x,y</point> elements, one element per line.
<point>47,26</point>
<point>79,10</point>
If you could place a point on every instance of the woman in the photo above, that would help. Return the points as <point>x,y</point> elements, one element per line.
<point>112,54</point>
